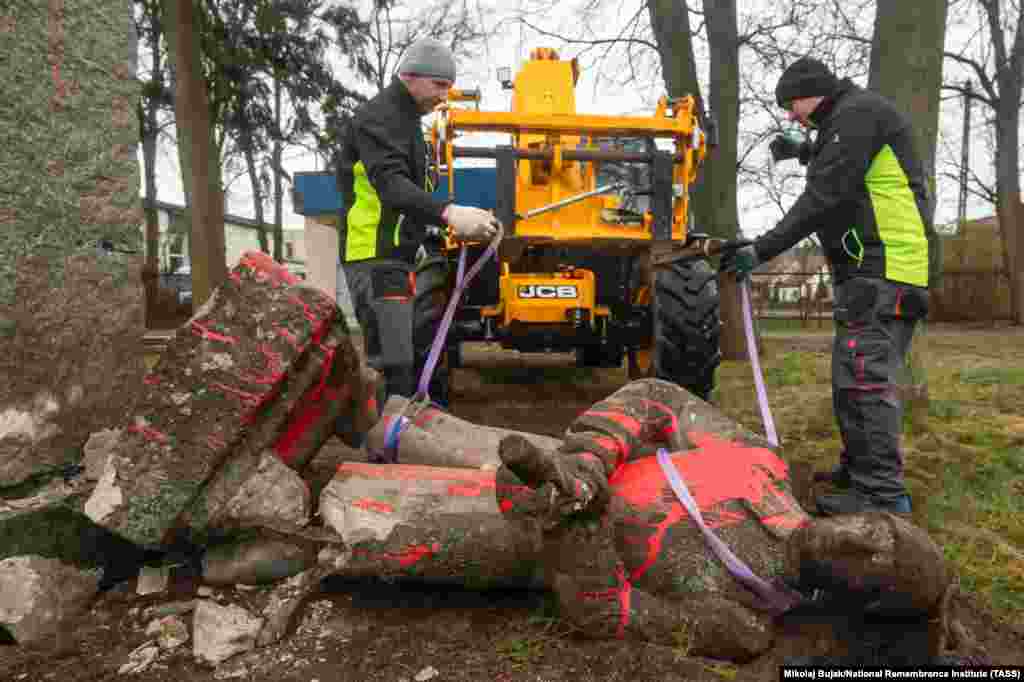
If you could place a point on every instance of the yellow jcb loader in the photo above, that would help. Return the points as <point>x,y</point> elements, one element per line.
<point>597,257</point>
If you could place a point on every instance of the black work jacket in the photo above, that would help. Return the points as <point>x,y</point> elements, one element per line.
<point>383,179</point>
<point>866,196</point>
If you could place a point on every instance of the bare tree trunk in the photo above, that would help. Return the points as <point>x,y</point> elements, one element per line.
<point>713,195</point>
<point>906,67</point>
<point>278,190</point>
<point>1010,77</point>
<point>716,192</point>
<point>148,134</point>
<point>257,199</point>
<point>670,20</point>
<point>1008,206</point>
<point>195,142</point>
<point>257,189</point>
<point>151,266</point>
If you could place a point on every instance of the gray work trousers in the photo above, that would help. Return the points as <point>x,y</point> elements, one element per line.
<point>875,321</point>
<point>381,292</point>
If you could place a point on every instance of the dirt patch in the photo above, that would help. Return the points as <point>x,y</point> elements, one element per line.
<point>376,632</point>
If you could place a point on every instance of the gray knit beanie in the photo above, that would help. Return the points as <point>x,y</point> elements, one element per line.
<point>428,57</point>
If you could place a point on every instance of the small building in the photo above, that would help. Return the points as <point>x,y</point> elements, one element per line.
<point>240,235</point>
<point>794,277</point>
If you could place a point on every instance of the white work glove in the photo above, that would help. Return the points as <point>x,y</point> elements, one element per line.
<point>469,223</point>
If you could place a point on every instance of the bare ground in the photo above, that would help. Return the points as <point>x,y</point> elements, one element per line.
<point>397,632</point>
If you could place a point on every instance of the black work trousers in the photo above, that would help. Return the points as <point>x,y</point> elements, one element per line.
<point>381,291</point>
<point>875,321</point>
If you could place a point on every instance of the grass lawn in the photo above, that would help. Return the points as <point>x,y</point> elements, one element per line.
<point>963,445</point>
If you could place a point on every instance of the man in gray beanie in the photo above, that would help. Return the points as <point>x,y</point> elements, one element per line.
<point>388,205</point>
<point>866,199</point>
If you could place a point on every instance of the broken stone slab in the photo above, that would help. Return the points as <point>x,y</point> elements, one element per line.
<point>70,361</point>
<point>247,490</point>
<point>40,596</point>
<point>284,601</point>
<point>430,522</point>
<point>50,524</point>
<point>258,560</point>
<point>222,631</point>
<point>223,386</point>
<point>435,438</point>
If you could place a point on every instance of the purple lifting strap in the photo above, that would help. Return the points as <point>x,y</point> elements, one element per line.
<point>399,422</point>
<point>777,599</point>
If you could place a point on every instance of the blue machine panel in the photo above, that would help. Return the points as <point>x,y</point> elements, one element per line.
<point>316,193</point>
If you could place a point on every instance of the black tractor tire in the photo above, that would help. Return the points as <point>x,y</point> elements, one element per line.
<point>685,313</point>
<point>431,299</point>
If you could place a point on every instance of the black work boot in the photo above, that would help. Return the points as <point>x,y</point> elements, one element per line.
<point>839,476</point>
<point>852,502</point>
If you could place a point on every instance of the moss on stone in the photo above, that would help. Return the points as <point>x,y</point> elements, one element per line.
<point>68,176</point>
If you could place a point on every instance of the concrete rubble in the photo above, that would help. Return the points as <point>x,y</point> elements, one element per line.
<point>219,632</point>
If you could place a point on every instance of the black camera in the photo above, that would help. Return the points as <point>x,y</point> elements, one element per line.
<point>785,147</point>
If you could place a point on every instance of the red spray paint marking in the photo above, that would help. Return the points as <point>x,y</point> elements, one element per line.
<point>284,446</point>
<point>200,329</point>
<point>273,373</point>
<point>786,520</point>
<point>374,505</point>
<point>665,413</point>
<point>318,323</point>
<point>656,540</point>
<point>307,310</point>
<point>462,482</point>
<point>248,399</point>
<point>262,264</point>
<point>418,472</point>
<point>325,370</point>
<point>151,380</point>
<point>506,506</point>
<point>406,557</point>
<point>149,433</point>
<point>630,424</point>
<point>471,490</point>
<point>310,412</point>
<point>622,594</point>
<point>614,445</point>
<point>288,336</point>
<point>335,393</point>
<point>426,416</point>
<point>716,471</point>
<point>216,442</point>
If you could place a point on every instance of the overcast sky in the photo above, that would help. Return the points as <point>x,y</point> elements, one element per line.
<point>598,93</point>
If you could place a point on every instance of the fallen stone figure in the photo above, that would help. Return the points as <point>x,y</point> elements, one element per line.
<point>596,521</point>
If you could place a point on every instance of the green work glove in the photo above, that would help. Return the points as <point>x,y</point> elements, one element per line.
<point>740,258</point>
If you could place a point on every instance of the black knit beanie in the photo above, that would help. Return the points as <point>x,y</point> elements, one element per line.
<point>805,77</point>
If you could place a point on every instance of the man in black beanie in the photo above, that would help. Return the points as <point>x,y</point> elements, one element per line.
<point>867,201</point>
<point>387,206</point>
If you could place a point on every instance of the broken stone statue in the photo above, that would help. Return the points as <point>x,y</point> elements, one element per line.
<point>597,521</point>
